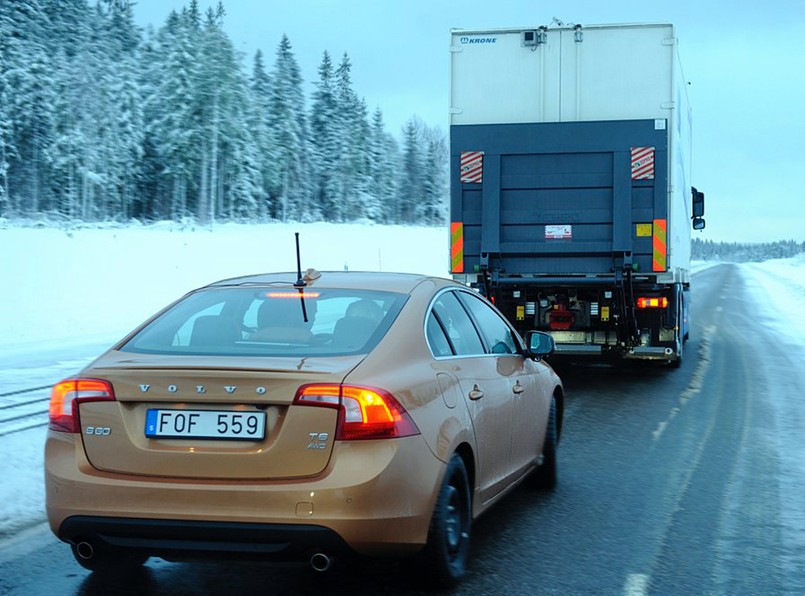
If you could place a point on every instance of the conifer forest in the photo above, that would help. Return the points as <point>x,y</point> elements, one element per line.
<point>102,121</point>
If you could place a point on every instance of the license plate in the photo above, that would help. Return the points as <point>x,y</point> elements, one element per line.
<point>205,424</point>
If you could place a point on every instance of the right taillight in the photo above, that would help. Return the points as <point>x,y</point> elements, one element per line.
<point>652,302</point>
<point>68,394</point>
<point>363,412</point>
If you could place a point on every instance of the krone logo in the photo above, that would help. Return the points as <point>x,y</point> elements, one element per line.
<point>477,40</point>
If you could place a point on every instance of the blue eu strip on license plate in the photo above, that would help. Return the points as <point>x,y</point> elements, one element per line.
<point>205,424</point>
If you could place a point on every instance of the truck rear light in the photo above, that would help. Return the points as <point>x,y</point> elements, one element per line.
<point>363,412</point>
<point>652,302</point>
<point>560,319</point>
<point>66,396</point>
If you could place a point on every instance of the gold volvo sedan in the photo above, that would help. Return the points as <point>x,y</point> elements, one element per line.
<point>302,417</point>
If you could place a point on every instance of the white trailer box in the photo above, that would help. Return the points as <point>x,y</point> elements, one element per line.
<point>577,74</point>
<point>570,166</point>
<point>565,74</point>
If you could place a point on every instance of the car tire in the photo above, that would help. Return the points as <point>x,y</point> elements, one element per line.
<point>545,475</point>
<point>104,562</point>
<point>445,555</point>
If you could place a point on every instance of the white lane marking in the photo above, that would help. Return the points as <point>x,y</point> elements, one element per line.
<point>696,381</point>
<point>636,584</point>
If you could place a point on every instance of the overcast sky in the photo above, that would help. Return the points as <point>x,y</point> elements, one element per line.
<point>744,60</point>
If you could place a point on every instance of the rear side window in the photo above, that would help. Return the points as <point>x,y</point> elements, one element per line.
<point>497,334</point>
<point>456,327</point>
<point>271,321</point>
<point>463,324</point>
<point>437,340</point>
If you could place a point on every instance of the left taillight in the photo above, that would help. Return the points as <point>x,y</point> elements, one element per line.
<point>363,412</point>
<point>68,394</point>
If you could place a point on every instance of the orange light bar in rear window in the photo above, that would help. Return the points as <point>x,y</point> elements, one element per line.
<point>293,294</point>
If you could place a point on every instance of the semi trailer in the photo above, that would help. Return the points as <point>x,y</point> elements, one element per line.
<point>571,194</point>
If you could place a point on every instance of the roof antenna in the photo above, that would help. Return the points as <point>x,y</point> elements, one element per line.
<point>300,281</point>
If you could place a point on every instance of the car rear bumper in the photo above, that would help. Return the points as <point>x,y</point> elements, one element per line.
<point>376,498</point>
<point>179,540</point>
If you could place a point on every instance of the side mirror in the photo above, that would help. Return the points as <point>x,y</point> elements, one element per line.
<point>698,208</point>
<point>698,202</point>
<point>539,344</point>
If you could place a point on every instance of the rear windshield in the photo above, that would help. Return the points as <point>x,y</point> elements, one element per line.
<point>270,322</point>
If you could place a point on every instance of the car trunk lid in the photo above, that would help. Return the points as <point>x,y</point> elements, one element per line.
<point>191,417</point>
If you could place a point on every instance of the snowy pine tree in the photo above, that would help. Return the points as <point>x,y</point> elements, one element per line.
<point>289,124</point>
<point>411,190</point>
<point>433,209</point>
<point>6,146</point>
<point>383,166</point>
<point>170,110</point>
<point>98,122</point>
<point>353,160</point>
<point>262,135</point>
<point>326,132</point>
<point>30,93</point>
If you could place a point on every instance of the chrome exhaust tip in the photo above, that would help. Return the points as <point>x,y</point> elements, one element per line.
<point>320,562</point>
<point>85,550</point>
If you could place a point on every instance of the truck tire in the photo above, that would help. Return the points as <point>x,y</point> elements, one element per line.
<point>680,342</point>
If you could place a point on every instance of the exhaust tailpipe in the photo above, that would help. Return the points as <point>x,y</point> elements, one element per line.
<point>320,562</point>
<point>85,550</point>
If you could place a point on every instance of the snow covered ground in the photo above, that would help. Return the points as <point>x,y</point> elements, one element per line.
<point>67,295</point>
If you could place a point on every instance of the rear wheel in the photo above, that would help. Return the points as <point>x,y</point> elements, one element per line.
<point>445,555</point>
<point>545,475</point>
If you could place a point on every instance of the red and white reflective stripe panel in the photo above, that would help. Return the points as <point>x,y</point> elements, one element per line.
<point>456,247</point>
<point>642,163</point>
<point>472,166</point>
<point>660,245</point>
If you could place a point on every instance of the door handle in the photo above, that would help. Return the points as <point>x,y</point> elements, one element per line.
<point>476,392</point>
<point>518,389</point>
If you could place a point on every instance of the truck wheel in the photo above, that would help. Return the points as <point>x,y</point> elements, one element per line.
<point>445,555</point>
<point>680,342</point>
<point>678,362</point>
<point>545,475</point>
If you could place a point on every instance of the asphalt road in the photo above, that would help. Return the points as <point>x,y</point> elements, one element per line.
<point>672,481</point>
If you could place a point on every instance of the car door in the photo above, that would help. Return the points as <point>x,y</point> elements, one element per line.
<point>529,407</point>
<point>486,393</point>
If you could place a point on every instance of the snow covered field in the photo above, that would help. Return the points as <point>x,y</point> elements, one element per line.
<point>96,284</point>
<point>67,295</point>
